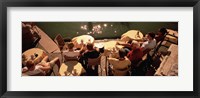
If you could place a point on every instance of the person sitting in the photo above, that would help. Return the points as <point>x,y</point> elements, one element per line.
<point>89,53</point>
<point>71,52</point>
<point>161,34</point>
<point>135,55</point>
<point>41,68</point>
<point>120,66</point>
<point>127,45</point>
<point>149,44</point>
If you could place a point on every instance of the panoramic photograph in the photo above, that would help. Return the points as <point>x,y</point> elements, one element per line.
<point>99,48</point>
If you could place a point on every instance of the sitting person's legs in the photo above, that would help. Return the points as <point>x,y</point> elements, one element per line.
<point>52,64</point>
<point>45,59</point>
<point>47,65</point>
<point>55,61</point>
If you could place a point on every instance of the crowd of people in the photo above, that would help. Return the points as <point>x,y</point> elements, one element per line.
<point>129,56</point>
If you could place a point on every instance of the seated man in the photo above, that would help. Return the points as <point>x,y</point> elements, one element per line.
<point>41,68</point>
<point>89,53</point>
<point>120,65</point>
<point>149,44</point>
<point>161,34</point>
<point>71,52</point>
<point>135,55</point>
<point>127,45</point>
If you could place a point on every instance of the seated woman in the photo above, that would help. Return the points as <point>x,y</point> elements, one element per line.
<point>135,55</point>
<point>41,68</point>
<point>71,52</point>
<point>149,44</point>
<point>120,66</point>
<point>89,53</point>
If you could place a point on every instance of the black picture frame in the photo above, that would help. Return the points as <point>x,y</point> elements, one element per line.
<point>100,3</point>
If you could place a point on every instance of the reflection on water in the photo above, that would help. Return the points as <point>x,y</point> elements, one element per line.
<point>101,29</point>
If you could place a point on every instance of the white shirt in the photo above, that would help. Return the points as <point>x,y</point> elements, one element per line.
<point>36,71</point>
<point>149,44</point>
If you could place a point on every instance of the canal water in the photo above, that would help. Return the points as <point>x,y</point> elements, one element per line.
<point>101,30</point>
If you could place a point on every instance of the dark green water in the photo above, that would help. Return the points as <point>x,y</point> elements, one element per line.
<point>108,29</point>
